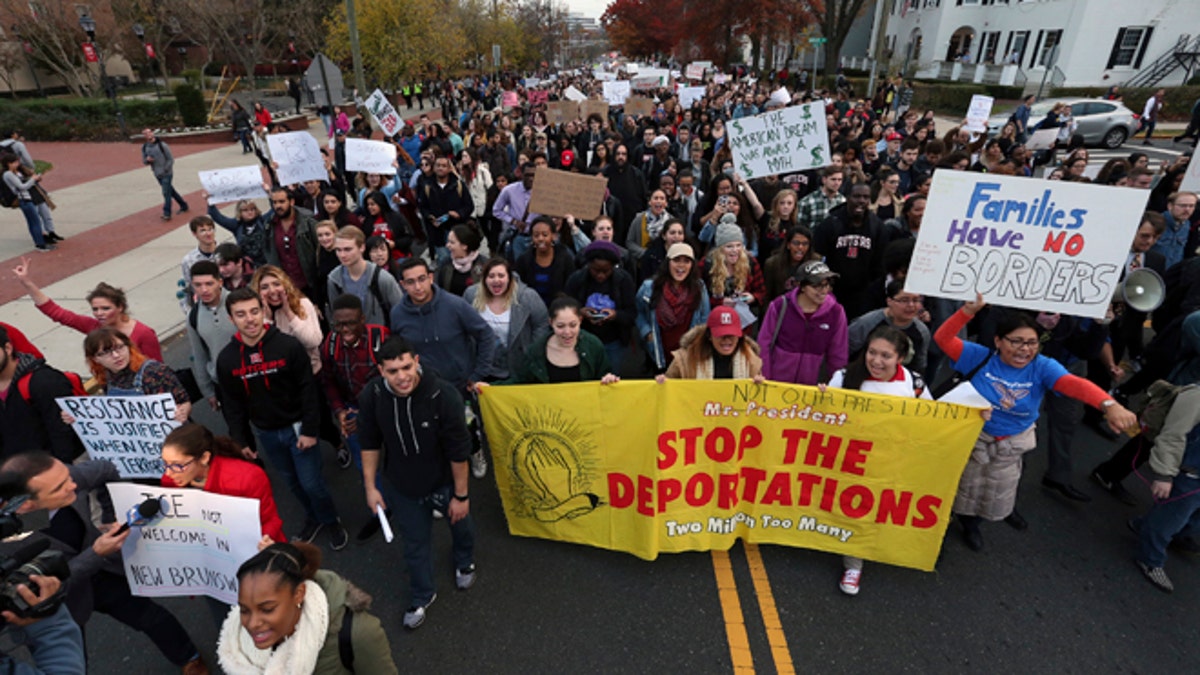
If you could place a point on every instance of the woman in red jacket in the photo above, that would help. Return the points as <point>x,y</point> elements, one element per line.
<point>193,457</point>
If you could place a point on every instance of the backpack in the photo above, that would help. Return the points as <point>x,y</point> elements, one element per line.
<point>77,386</point>
<point>376,292</point>
<point>333,345</point>
<point>1153,405</point>
<point>344,638</point>
<point>8,198</point>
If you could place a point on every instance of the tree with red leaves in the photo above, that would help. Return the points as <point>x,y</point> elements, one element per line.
<point>642,28</point>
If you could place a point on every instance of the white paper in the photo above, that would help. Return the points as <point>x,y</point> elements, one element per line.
<point>573,94</point>
<point>384,524</point>
<point>965,394</point>
<point>695,71</point>
<point>299,157</point>
<point>370,156</point>
<point>231,185</point>
<point>1042,139</point>
<point>689,95</point>
<point>781,96</point>
<point>126,430</point>
<point>1047,246</point>
<point>196,547</point>
<point>1191,179</point>
<point>616,92</point>
<point>978,113</point>
<point>781,141</point>
<point>385,115</point>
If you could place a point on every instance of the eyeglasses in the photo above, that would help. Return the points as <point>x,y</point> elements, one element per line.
<point>112,351</point>
<point>177,468</point>
<point>1017,344</point>
<point>907,301</point>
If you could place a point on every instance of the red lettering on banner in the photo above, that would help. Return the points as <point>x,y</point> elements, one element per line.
<point>892,509</point>
<point>825,453</point>
<point>856,454</point>
<point>827,496</point>
<point>751,477</point>
<point>703,495</point>
<point>668,491</point>
<point>807,482</point>
<point>793,438</point>
<point>778,490</point>
<point>727,492</point>
<point>861,494</point>
<point>645,495</point>
<point>721,436</point>
<point>620,490</point>
<point>926,507</point>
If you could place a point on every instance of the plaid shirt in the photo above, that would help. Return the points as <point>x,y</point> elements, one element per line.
<point>816,206</point>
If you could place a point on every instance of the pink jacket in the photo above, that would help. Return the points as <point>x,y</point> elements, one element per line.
<point>793,344</point>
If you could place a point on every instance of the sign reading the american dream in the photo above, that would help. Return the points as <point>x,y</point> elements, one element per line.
<point>780,141</point>
<point>1047,246</point>
<point>126,430</point>
<point>646,468</point>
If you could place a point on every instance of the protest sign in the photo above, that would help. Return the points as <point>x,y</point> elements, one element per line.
<point>538,96</point>
<point>299,157</point>
<point>789,139</point>
<point>531,82</point>
<point>509,99</point>
<point>559,193</point>
<point>573,94</point>
<point>126,430</point>
<point>689,95</point>
<point>370,156</point>
<point>695,71</point>
<point>978,113</point>
<point>1191,179</point>
<point>231,185</point>
<point>616,92</point>
<point>561,112</point>
<point>661,74</point>
<point>720,78</point>
<point>644,83</point>
<point>694,465</point>
<point>639,105</point>
<point>1047,246</point>
<point>196,545</point>
<point>1042,139</point>
<point>385,115</point>
<point>602,76</point>
<point>589,108</point>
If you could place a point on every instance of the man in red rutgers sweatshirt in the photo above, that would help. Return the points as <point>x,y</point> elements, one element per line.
<point>269,379</point>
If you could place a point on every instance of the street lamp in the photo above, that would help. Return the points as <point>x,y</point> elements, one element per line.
<point>25,47</point>
<point>88,24</point>
<point>141,36</point>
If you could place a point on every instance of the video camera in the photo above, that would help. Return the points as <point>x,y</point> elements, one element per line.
<point>23,554</point>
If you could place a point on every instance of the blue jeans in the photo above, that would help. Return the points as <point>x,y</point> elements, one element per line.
<point>520,244</point>
<point>301,470</point>
<point>169,193</point>
<point>414,519</point>
<point>355,449</point>
<point>33,221</point>
<point>616,354</point>
<point>1167,520</point>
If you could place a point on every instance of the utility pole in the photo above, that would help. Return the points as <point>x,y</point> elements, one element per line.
<point>360,82</point>
<point>883,8</point>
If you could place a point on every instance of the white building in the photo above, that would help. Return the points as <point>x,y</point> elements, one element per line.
<point>1092,42</point>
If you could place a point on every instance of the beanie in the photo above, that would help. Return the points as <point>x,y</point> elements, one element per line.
<point>727,232</point>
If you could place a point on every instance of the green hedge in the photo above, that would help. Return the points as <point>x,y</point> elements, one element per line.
<point>87,119</point>
<point>191,105</point>
<point>1178,107</point>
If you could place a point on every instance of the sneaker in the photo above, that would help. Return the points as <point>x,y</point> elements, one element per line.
<point>479,464</point>
<point>344,458</point>
<point>415,616</point>
<point>850,580</point>
<point>368,531</point>
<point>1116,489</point>
<point>45,248</point>
<point>1016,521</point>
<point>338,536</point>
<point>464,578</point>
<point>53,238</point>
<point>311,529</point>
<point>166,216</point>
<point>184,209</point>
<point>1157,576</point>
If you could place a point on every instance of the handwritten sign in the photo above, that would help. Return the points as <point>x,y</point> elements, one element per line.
<point>1042,139</point>
<point>298,156</point>
<point>639,105</point>
<point>538,96</point>
<point>720,78</point>
<point>589,108</point>
<point>370,156</point>
<point>573,94</point>
<point>1191,179</point>
<point>559,193</point>
<point>695,71</point>
<point>645,83</point>
<point>231,185</point>
<point>616,92</point>
<point>780,141</point>
<point>1040,245</point>
<point>689,95</point>
<point>195,548</point>
<point>978,113</point>
<point>126,430</point>
<point>561,112</point>
<point>385,115</point>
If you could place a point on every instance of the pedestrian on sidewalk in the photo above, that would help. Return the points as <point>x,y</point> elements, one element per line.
<point>242,126</point>
<point>1154,105</point>
<point>294,91</point>
<point>22,188</point>
<point>1193,128</point>
<point>158,155</point>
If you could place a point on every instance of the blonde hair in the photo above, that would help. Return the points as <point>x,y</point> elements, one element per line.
<point>719,273</point>
<point>293,294</point>
<point>485,294</point>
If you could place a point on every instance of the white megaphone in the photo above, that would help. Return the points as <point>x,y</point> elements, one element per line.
<point>1143,290</point>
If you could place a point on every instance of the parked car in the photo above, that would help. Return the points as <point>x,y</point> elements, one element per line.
<point>1103,123</point>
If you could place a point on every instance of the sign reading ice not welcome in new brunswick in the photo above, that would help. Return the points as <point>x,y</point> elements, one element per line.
<point>780,141</point>
<point>196,545</point>
<point>1032,244</point>
<point>646,468</point>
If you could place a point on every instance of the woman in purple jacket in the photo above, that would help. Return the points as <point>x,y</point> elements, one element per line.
<point>803,327</point>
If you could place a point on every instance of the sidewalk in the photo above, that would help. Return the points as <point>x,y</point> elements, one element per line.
<point>109,209</point>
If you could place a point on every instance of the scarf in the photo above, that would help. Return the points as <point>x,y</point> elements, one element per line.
<point>675,307</point>
<point>297,654</point>
<point>463,265</point>
<point>655,225</point>
<point>704,370</point>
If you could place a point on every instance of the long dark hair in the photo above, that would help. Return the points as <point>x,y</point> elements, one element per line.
<point>663,277</point>
<point>380,200</point>
<point>193,440</point>
<point>342,212</point>
<point>857,373</point>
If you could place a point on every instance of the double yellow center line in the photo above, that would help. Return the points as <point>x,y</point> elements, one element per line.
<point>735,622</point>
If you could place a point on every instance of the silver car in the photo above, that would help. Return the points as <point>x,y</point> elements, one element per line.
<point>1103,123</point>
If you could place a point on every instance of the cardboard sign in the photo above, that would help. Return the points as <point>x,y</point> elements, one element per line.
<point>194,548</point>
<point>1045,246</point>
<point>589,108</point>
<point>639,105</point>
<point>561,112</point>
<point>559,193</point>
<point>299,157</point>
<point>538,96</point>
<point>780,141</point>
<point>370,156</point>
<point>385,115</point>
<point>231,185</point>
<point>689,95</point>
<point>616,92</point>
<point>978,113</point>
<point>126,430</point>
<point>1042,139</point>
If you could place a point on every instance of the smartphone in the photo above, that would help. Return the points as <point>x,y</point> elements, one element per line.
<point>723,200</point>
<point>442,220</point>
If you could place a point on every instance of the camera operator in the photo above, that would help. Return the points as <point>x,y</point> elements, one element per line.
<point>54,644</point>
<point>97,580</point>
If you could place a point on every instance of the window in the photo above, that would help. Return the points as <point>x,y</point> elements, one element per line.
<point>987,47</point>
<point>1129,47</point>
<point>1014,51</point>
<point>1047,41</point>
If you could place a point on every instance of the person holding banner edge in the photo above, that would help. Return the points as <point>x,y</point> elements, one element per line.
<point>1014,378</point>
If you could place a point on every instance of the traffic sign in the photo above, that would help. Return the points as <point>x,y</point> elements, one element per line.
<point>817,41</point>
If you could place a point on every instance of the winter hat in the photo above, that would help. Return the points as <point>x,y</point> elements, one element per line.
<point>727,232</point>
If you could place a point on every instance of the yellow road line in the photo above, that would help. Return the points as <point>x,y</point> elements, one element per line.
<point>731,609</point>
<point>770,615</point>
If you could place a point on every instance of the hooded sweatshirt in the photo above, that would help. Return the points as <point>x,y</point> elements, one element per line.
<point>271,382</point>
<point>794,343</point>
<point>419,434</point>
<point>36,424</point>
<point>448,334</point>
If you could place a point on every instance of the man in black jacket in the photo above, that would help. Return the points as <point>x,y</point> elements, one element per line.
<point>33,421</point>
<point>267,376</point>
<point>413,431</point>
<point>852,240</point>
<point>628,185</point>
<point>443,202</point>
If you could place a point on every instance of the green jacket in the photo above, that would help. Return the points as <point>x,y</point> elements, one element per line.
<point>534,369</point>
<point>305,231</point>
<point>372,653</point>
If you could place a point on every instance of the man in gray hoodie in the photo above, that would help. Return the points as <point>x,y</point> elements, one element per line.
<point>158,155</point>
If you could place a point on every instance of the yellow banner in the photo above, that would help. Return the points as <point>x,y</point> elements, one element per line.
<point>693,465</point>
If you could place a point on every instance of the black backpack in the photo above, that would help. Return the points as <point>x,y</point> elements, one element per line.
<point>375,291</point>
<point>8,198</point>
